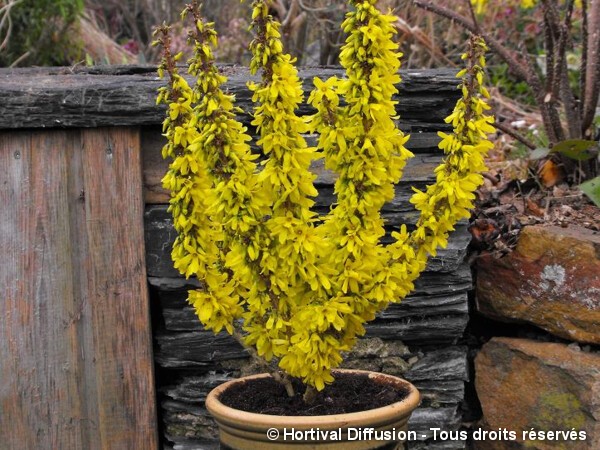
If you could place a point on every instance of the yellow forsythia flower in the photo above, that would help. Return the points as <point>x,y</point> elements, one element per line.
<point>300,288</point>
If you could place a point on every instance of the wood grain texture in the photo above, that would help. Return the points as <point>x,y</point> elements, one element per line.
<point>125,96</point>
<point>75,360</point>
<point>38,355</point>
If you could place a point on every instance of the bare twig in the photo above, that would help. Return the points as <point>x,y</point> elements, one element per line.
<point>559,32</point>
<point>6,20</point>
<point>519,137</point>
<point>290,14</point>
<point>261,362</point>
<point>314,10</point>
<point>553,90</point>
<point>545,101</point>
<point>583,66</point>
<point>551,76</point>
<point>280,7</point>
<point>474,17</point>
<point>21,58</point>
<point>419,36</point>
<point>515,65</point>
<point>592,83</point>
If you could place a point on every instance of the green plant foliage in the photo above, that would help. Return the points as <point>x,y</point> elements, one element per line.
<point>591,188</point>
<point>39,32</point>
<point>514,89</point>
<point>294,287</point>
<point>576,149</point>
<point>539,153</point>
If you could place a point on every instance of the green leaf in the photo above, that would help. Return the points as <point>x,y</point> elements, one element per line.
<point>539,153</point>
<point>591,188</point>
<point>577,149</point>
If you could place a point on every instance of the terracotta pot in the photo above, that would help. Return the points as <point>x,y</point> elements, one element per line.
<point>241,430</point>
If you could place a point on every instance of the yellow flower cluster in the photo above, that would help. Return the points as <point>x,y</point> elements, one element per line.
<point>186,178</point>
<point>289,256</point>
<point>216,200</point>
<point>298,287</point>
<point>451,198</point>
<point>362,144</point>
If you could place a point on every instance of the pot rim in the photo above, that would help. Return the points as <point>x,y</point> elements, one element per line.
<point>378,416</point>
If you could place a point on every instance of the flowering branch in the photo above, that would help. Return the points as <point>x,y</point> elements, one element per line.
<point>296,288</point>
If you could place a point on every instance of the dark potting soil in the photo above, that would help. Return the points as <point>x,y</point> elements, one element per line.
<point>349,393</point>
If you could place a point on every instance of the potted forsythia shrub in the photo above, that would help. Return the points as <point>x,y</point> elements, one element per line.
<point>294,288</point>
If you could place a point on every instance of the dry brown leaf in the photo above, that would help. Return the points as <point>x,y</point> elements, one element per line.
<point>534,208</point>
<point>484,231</point>
<point>550,174</point>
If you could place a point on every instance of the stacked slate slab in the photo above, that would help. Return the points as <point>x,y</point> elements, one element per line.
<point>418,339</point>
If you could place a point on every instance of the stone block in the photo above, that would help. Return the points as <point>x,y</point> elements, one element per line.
<point>526,386</point>
<point>551,280</point>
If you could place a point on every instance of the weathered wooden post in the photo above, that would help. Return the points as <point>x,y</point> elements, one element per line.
<point>76,369</point>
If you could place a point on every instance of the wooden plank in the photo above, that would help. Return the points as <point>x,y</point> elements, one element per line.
<point>75,359</point>
<point>39,365</point>
<point>84,97</point>
<point>120,322</point>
